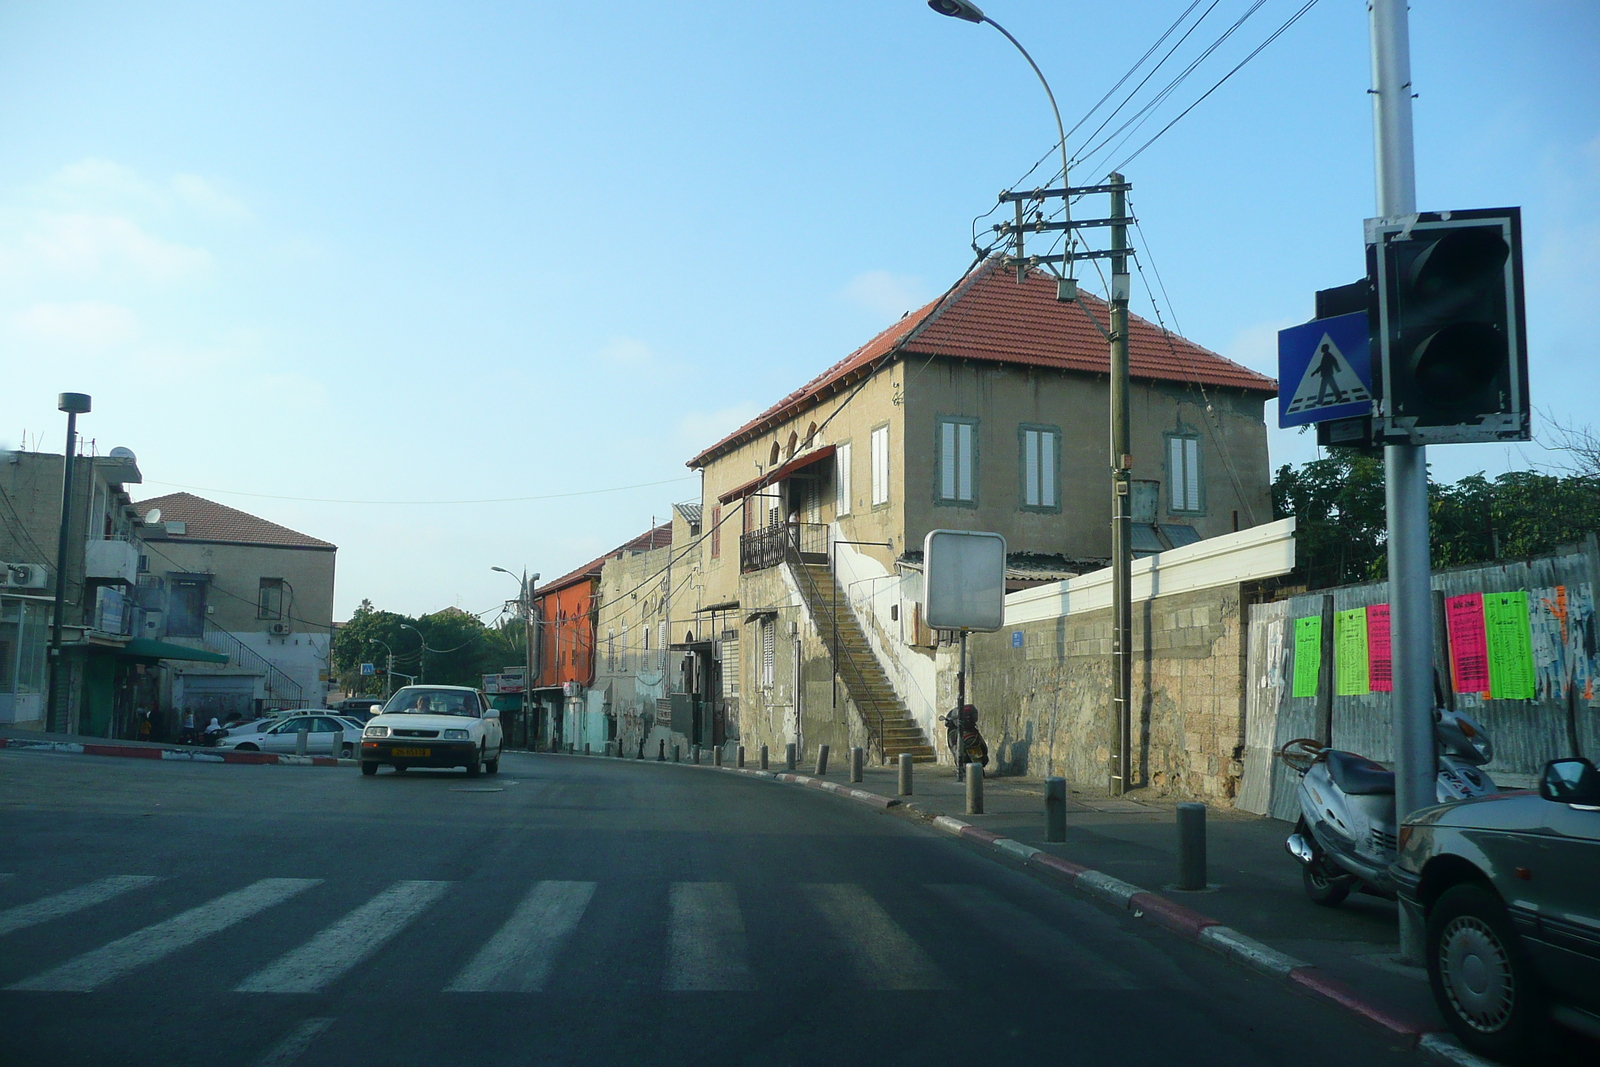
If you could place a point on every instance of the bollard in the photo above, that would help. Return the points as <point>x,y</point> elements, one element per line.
<point>763,757</point>
<point>905,774</point>
<point>300,741</point>
<point>608,750</point>
<point>858,758</point>
<point>677,754</point>
<point>822,760</point>
<point>974,789</point>
<point>661,751</point>
<point>789,756</point>
<point>1055,809</point>
<point>694,753</point>
<point>336,748</point>
<point>1191,846</point>
<point>571,748</point>
<point>716,756</point>
<point>738,756</point>
<point>586,748</point>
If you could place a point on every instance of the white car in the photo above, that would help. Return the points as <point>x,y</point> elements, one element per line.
<point>281,735</point>
<point>433,726</point>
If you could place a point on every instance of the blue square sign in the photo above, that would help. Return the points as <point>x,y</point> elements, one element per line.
<point>1016,638</point>
<point>1324,370</point>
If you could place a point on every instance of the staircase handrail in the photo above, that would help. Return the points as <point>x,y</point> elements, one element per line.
<point>798,567</point>
<point>276,680</point>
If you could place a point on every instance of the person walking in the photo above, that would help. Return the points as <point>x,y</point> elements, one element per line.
<point>186,727</point>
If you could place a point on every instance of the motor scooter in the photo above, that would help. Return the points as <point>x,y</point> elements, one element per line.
<point>1345,839</point>
<point>961,733</point>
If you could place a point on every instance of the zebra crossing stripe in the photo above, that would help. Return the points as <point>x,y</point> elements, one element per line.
<point>83,896</point>
<point>87,972</point>
<point>706,942</point>
<point>292,1047</point>
<point>347,942</point>
<point>521,954</point>
<point>884,954</point>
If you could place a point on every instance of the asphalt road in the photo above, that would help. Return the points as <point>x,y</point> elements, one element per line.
<point>570,910</point>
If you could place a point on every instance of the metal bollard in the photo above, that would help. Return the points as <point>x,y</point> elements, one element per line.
<point>1191,846</point>
<point>586,748</point>
<point>822,760</point>
<point>694,753</point>
<point>677,754</point>
<point>974,789</point>
<point>905,774</point>
<point>789,755</point>
<point>716,756</point>
<point>300,736</point>
<point>858,758</point>
<point>336,746</point>
<point>763,757</point>
<point>1055,809</point>
<point>739,757</point>
<point>661,751</point>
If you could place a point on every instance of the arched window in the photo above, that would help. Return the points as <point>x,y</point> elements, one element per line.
<point>772,461</point>
<point>811,435</point>
<point>793,438</point>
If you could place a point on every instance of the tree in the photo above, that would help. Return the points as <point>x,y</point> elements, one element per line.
<point>356,643</point>
<point>1340,530</point>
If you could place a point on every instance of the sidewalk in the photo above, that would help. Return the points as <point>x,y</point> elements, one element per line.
<point>1254,886</point>
<point>75,744</point>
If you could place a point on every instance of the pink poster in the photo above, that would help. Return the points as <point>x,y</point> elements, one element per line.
<point>1469,644</point>
<point>1379,670</point>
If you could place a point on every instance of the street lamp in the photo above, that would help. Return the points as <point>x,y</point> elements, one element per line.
<point>74,404</point>
<point>525,609</point>
<point>422,653</point>
<point>960,9</point>
<point>388,674</point>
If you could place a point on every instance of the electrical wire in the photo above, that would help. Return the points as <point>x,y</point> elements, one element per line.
<point>486,500</point>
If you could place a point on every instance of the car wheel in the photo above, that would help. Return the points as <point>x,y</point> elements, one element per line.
<point>492,765</point>
<point>248,747</point>
<point>348,751</point>
<point>1483,986</point>
<point>369,768</point>
<point>476,766</point>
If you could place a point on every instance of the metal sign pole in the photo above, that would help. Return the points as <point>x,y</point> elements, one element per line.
<point>961,704</point>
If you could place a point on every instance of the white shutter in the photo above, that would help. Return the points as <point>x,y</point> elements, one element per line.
<point>1047,467</point>
<point>964,461</point>
<point>1191,472</point>
<point>1030,467</point>
<point>880,465</point>
<point>841,478</point>
<point>769,641</point>
<point>947,461</point>
<point>627,656</point>
<point>1175,473</point>
<point>661,646</point>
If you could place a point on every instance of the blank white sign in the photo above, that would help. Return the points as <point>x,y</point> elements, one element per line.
<point>964,580</point>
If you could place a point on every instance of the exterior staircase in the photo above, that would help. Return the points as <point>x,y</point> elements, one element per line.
<point>887,719</point>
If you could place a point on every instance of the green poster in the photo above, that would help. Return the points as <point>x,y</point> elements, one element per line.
<point>1511,672</point>
<point>1350,653</point>
<point>1307,655</point>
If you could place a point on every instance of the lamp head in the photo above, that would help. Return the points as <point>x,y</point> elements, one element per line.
<point>73,403</point>
<point>957,9</point>
<point>502,570</point>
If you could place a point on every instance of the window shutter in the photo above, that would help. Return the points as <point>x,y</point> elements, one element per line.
<point>1048,444</point>
<point>1191,472</point>
<point>964,461</point>
<point>947,460</point>
<point>769,642</point>
<point>1030,467</point>
<point>716,532</point>
<point>841,478</point>
<point>661,646</point>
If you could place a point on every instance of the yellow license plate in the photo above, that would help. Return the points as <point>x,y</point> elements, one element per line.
<point>412,751</point>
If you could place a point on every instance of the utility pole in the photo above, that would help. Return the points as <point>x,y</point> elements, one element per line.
<point>1405,466</point>
<point>74,404</point>
<point>1121,485</point>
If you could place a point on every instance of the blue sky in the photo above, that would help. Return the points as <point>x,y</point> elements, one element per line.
<point>442,252</point>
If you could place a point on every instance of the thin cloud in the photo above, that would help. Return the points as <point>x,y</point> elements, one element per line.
<point>81,324</point>
<point>886,295</point>
<point>627,352</point>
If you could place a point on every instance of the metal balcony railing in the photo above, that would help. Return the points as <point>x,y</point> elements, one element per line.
<point>766,547</point>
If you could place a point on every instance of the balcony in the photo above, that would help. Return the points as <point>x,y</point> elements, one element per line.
<point>765,547</point>
<point>111,561</point>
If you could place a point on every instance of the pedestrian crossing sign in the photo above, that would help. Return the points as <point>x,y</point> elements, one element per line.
<point>1324,371</point>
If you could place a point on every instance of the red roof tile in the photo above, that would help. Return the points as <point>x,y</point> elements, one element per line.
<point>660,537</point>
<point>206,520</point>
<point>990,316</point>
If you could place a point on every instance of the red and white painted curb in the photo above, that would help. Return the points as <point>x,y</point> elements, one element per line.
<point>185,755</point>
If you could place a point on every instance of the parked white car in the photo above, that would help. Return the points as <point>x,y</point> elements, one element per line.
<point>281,735</point>
<point>433,726</point>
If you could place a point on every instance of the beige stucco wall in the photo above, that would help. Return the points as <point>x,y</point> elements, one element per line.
<point>632,664</point>
<point>236,572</point>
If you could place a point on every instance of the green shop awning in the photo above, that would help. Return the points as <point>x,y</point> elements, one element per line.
<point>147,648</point>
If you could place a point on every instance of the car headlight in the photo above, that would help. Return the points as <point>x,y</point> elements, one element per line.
<point>455,735</point>
<point>375,731</point>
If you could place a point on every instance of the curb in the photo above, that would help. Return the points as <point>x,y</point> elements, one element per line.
<point>1191,925</point>
<point>184,755</point>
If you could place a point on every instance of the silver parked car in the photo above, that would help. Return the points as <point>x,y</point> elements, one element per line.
<point>280,735</point>
<point>1510,887</point>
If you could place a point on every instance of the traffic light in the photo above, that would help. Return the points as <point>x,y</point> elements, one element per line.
<point>1452,351</point>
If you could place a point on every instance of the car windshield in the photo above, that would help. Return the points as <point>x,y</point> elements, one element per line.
<point>420,701</point>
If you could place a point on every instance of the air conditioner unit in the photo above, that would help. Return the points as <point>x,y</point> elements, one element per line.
<point>279,629</point>
<point>24,575</point>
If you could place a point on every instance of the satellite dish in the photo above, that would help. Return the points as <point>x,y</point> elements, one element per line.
<point>124,453</point>
<point>153,517</point>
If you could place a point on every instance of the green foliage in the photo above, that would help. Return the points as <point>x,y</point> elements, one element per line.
<point>1341,528</point>
<point>460,648</point>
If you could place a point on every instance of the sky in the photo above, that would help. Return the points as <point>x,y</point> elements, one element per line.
<point>462,285</point>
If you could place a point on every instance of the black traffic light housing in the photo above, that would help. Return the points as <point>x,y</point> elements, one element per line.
<point>1447,314</point>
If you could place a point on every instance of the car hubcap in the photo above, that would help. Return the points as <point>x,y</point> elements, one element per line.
<point>1477,974</point>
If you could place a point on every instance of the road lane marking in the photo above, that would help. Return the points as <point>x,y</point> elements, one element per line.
<point>347,942</point>
<point>292,1047</point>
<point>884,954</point>
<point>87,972</point>
<point>1074,965</point>
<point>83,896</point>
<point>521,954</point>
<point>706,942</point>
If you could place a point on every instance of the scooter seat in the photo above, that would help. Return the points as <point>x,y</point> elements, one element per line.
<point>1358,776</point>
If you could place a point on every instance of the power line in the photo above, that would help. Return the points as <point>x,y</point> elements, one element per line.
<point>486,500</point>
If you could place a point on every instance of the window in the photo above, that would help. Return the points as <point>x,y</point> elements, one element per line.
<point>730,663</point>
<point>186,608</point>
<point>1183,472</point>
<point>627,653</point>
<point>880,466</point>
<point>611,650</point>
<point>661,645</point>
<point>769,648</point>
<point>772,460</point>
<point>841,480</point>
<point>716,533</point>
<point>269,600</point>
<point>954,460</point>
<point>1041,453</point>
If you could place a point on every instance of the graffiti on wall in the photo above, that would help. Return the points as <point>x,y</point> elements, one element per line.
<point>1564,641</point>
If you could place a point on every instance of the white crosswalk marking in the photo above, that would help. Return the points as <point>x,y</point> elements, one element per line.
<point>519,957</point>
<point>292,1047</point>
<point>87,972</point>
<point>347,942</point>
<point>1075,966</point>
<point>706,943</point>
<point>884,954</point>
<point>83,896</point>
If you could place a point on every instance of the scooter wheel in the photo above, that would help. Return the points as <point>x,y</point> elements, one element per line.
<point>1327,890</point>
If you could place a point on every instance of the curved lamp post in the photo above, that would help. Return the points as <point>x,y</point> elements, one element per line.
<point>960,9</point>
<point>421,653</point>
<point>525,609</point>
